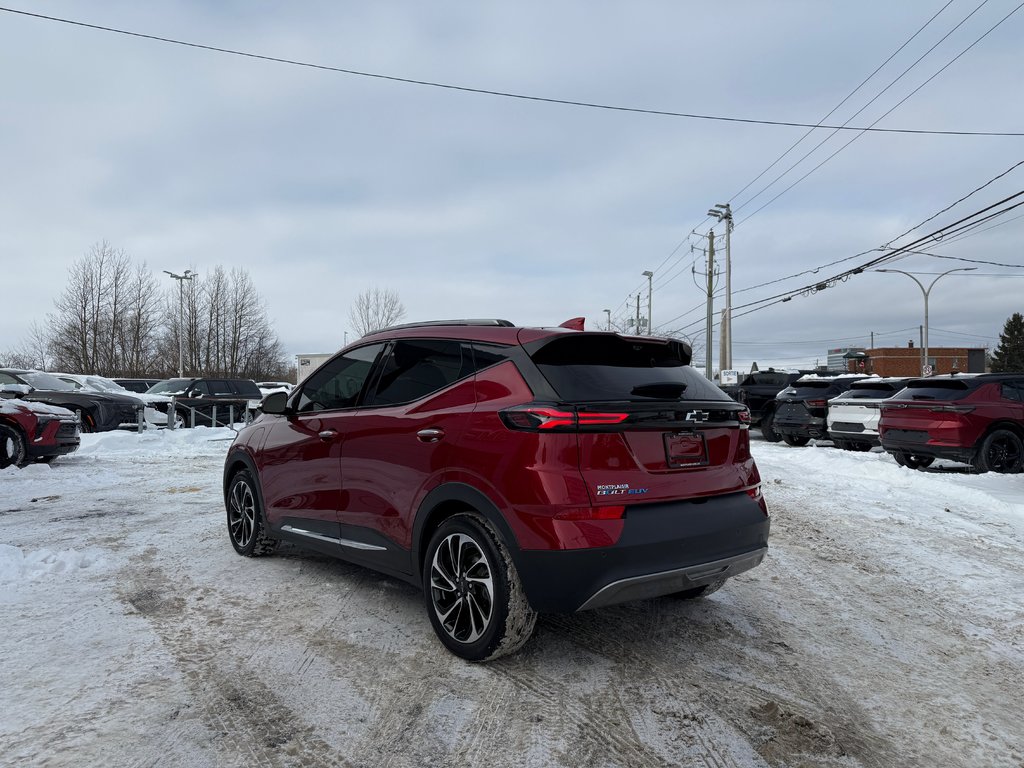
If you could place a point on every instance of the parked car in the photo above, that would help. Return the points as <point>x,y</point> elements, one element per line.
<point>801,410</point>
<point>266,387</point>
<point>853,415</point>
<point>137,385</point>
<point>197,398</point>
<point>154,407</point>
<point>757,391</point>
<point>97,411</point>
<point>977,419</point>
<point>506,471</point>
<point>31,431</point>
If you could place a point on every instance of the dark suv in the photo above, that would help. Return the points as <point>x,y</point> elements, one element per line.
<point>506,471</point>
<point>209,401</point>
<point>801,410</point>
<point>974,419</point>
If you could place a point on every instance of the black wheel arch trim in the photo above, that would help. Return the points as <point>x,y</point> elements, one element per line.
<point>238,456</point>
<point>471,498</point>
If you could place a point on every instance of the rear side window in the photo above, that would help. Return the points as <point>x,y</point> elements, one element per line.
<point>417,368</point>
<point>601,368</point>
<point>247,388</point>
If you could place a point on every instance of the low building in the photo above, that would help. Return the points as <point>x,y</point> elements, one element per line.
<point>909,360</point>
<point>837,358</point>
<point>306,364</point>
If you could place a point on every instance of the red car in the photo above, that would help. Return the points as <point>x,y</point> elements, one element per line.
<point>506,471</point>
<point>32,431</point>
<point>974,419</point>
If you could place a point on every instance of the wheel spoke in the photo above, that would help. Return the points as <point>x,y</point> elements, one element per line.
<point>462,588</point>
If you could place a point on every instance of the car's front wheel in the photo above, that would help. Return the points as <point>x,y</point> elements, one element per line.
<point>12,447</point>
<point>768,428</point>
<point>245,518</point>
<point>1000,451</point>
<point>474,597</point>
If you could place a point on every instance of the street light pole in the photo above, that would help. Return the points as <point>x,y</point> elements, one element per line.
<point>608,312</point>
<point>650,276</point>
<point>723,212</point>
<point>926,292</point>
<point>189,274</point>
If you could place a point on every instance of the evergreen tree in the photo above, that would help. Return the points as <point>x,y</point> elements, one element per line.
<point>1009,355</point>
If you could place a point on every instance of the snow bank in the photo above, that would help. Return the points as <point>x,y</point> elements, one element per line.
<point>17,565</point>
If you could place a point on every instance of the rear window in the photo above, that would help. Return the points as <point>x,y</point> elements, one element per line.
<point>872,391</point>
<point>768,378</point>
<point>932,389</point>
<point>602,368</point>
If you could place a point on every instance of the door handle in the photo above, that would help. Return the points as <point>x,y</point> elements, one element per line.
<point>431,435</point>
<point>328,434</point>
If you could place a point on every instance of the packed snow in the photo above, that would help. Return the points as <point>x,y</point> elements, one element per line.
<point>885,628</point>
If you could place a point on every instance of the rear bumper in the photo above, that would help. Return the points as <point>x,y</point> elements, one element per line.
<point>808,427</point>
<point>964,454</point>
<point>664,548</point>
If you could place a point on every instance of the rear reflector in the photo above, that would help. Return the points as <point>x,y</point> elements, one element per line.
<point>591,513</point>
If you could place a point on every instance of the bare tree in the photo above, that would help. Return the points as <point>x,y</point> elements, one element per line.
<point>375,308</point>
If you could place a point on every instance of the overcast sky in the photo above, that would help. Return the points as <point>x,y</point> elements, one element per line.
<point>323,184</point>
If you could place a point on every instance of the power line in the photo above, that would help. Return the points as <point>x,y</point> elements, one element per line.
<point>502,94</point>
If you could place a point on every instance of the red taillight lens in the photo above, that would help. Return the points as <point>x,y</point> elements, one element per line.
<point>744,417</point>
<point>816,403</point>
<point>545,418</point>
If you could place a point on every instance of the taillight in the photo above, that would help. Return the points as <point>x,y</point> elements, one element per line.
<point>542,418</point>
<point>744,418</point>
<point>816,403</point>
<point>954,409</point>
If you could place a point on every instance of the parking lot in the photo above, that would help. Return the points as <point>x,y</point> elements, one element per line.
<point>885,628</point>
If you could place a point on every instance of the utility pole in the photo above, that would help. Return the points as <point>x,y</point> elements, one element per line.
<point>723,212</point>
<point>650,277</point>
<point>608,312</point>
<point>189,274</point>
<point>711,302</point>
<point>638,331</point>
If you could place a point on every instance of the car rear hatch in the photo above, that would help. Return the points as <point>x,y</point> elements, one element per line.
<point>927,406</point>
<point>803,401</point>
<point>649,427</point>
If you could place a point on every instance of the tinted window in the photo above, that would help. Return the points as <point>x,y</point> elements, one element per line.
<point>416,368</point>
<point>596,368</point>
<point>817,388</point>
<point>247,388</point>
<point>41,380</point>
<point>873,390</point>
<point>170,387</point>
<point>486,355</point>
<point>1013,390</point>
<point>338,382</point>
<point>935,389</point>
<point>765,378</point>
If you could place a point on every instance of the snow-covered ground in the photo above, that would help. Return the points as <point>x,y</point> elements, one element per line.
<point>886,628</point>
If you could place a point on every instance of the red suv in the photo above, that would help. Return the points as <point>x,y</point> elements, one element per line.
<point>32,431</point>
<point>506,471</point>
<point>974,419</point>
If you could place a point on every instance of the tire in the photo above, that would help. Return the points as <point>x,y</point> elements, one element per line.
<point>1001,451</point>
<point>796,441</point>
<point>246,527</point>
<point>768,428</point>
<point>179,419</point>
<point>86,422</point>
<point>473,594</point>
<point>698,592</point>
<point>12,446</point>
<point>913,461</point>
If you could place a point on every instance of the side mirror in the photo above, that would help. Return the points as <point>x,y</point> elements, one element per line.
<point>275,402</point>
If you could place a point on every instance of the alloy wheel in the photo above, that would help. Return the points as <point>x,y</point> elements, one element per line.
<point>241,514</point>
<point>462,588</point>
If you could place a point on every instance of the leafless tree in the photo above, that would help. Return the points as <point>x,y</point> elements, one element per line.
<point>375,308</point>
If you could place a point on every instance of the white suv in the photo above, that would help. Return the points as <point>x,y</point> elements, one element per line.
<point>853,416</point>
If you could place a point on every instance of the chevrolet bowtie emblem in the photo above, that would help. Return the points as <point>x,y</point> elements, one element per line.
<point>697,416</point>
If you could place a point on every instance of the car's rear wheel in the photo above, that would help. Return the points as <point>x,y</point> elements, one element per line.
<point>796,440</point>
<point>245,518</point>
<point>474,597</point>
<point>768,428</point>
<point>912,460</point>
<point>12,447</point>
<point>1000,451</point>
